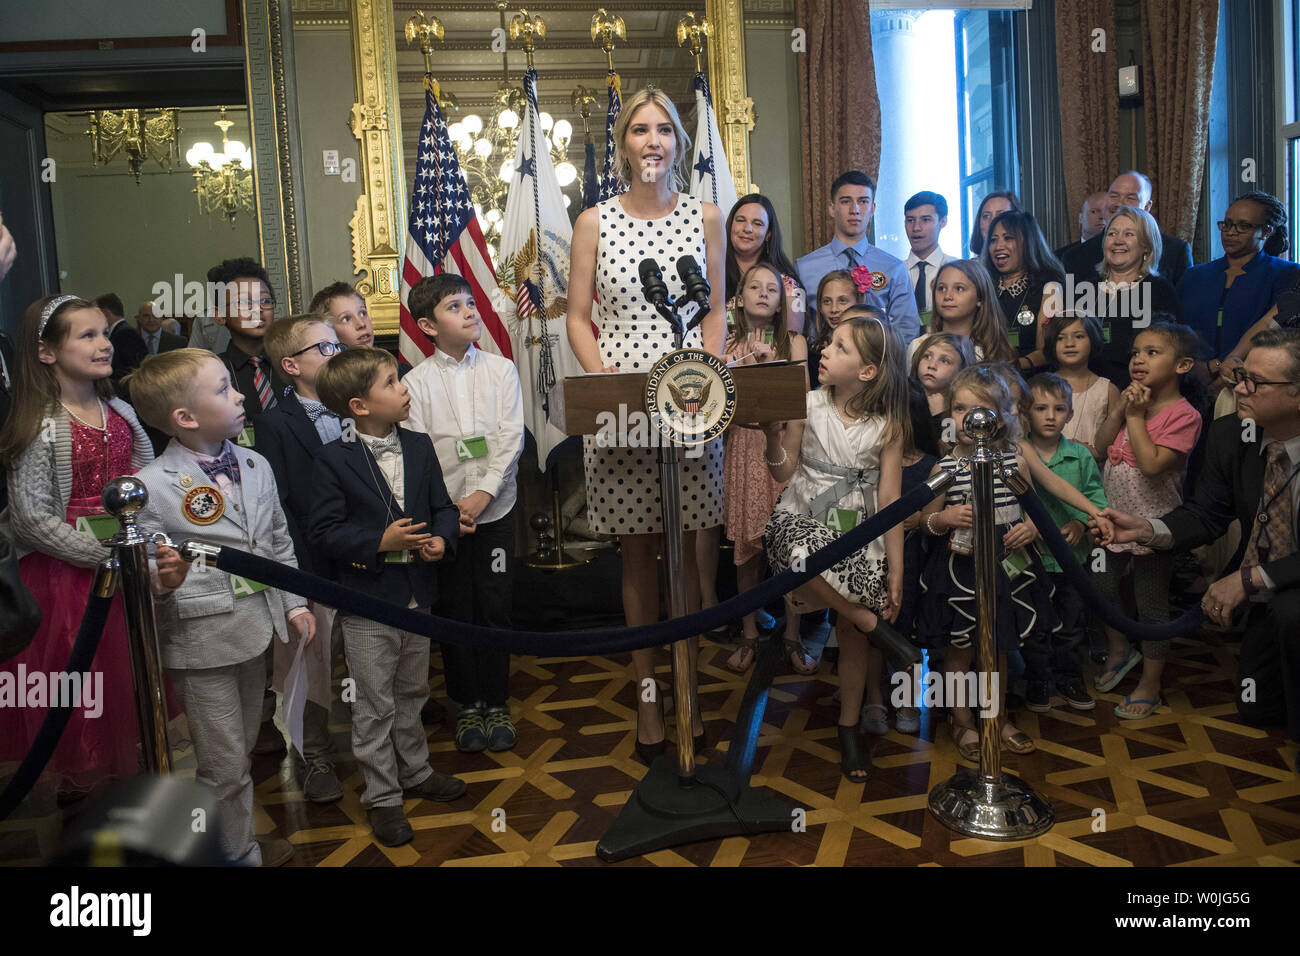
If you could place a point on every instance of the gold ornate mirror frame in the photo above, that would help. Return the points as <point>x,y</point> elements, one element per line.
<point>378,225</point>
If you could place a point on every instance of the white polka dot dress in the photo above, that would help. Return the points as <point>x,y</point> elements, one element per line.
<point>623,483</point>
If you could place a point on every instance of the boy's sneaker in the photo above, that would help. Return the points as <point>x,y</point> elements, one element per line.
<point>471,732</point>
<point>500,729</point>
<point>1075,692</point>
<point>390,825</point>
<point>321,784</point>
<point>1038,696</point>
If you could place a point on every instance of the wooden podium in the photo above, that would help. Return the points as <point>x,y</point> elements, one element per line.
<point>682,803</point>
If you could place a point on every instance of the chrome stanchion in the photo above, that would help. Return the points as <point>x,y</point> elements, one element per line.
<point>990,804</point>
<point>123,498</point>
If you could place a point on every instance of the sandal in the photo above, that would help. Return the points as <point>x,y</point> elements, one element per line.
<point>970,750</point>
<point>855,758</point>
<point>744,652</point>
<point>1017,743</point>
<point>1110,678</point>
<point>1151,708</point>
<point>802,662</point>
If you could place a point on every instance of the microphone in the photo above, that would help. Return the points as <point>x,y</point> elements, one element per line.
<point>697,287</point>
<point>652,283</point>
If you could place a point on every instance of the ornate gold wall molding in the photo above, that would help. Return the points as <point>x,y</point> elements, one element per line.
<point>268,74</point>
<point>727,83</point>
<point>377,221</point>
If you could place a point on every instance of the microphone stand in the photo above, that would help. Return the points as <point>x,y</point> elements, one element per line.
<point>676,802</point>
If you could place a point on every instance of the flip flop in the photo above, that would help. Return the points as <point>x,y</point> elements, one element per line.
<point>1120,712</point>
<point>1117,675</point>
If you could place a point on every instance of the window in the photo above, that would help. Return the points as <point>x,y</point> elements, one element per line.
<point>952,131</point>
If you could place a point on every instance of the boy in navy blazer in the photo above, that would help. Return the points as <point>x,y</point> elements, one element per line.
<point>214,628</point>
<point>376,491</point>
<point>290,435</point>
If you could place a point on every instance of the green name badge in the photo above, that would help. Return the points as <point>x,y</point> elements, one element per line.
<point>1220,319</point>
<point>101,527</point>
<point>1105,333</point>
<point>245,587</point>
<point>245,437</point>
<point>1015,562</point>
<point>925,320</point>
<point>768,335</point>
<point>1013,336</point>
<point>398,557</point>
<point>843,519</point>
<point>467,448</point>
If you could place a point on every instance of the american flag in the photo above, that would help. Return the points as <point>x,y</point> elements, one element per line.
<point>444,234</point>
<point>610,184</point>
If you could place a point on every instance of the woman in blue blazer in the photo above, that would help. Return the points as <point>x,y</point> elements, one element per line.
<point>1222,300</point>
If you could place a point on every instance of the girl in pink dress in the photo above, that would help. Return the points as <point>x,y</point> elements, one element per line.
<point>1148,436</point>
<point>66,436</point>
<point>761,335</point>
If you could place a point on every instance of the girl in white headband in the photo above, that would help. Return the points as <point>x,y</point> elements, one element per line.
<point>65,437</point>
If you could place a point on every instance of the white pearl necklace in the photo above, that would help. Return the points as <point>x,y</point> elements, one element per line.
<point>103,416</point>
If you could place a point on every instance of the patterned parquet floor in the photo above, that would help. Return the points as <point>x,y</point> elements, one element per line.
<point>1189,786</point>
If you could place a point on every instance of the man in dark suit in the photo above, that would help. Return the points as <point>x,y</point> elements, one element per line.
<point>1092,221</point>
<point>1129,189</point>
<point>1250,473</point>
<point>128,347</point>
<point>156,341</point>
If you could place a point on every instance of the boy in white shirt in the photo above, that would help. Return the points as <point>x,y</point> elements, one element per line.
<point>470,404</point>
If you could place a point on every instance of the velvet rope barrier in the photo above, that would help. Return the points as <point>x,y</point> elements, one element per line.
<point>604,640</point>
<point>83,652</point>
<point>1109,613</point>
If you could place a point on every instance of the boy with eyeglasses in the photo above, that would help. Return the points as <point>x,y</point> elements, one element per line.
<point>290,436</point>
<point>244,306</point>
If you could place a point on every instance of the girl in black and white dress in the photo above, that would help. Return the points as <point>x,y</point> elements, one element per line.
<point>651,220</point>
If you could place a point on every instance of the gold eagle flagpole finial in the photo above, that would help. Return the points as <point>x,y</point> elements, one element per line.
<point>692,34</point>
<point>425,30</point>
<point>605,29</point>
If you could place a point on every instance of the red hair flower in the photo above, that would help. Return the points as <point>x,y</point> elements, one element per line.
<point>861,278</point>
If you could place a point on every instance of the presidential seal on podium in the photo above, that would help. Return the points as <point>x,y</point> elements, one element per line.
<point>691,396</point>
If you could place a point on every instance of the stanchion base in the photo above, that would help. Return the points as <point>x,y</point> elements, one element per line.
<point>1006,810</point>
<point>550,560</point>
<point>663,813</point>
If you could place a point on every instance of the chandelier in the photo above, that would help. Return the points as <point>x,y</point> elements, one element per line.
<point>117,131</point>
<point>221,183</point>
<point>486,149</point>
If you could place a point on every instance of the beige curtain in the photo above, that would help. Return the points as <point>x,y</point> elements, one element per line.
<point>838,102</point>
<point>1089,101</point>
<point>1178,62</point>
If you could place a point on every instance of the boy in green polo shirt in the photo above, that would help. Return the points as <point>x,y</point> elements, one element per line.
<point>1054,659</point>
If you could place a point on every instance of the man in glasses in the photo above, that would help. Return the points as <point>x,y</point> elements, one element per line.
<point>289,436</point>
<point>1250,474</point>
<point>1129,189</point>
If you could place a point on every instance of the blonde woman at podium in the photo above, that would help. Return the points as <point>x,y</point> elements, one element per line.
<point>651,220</point>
